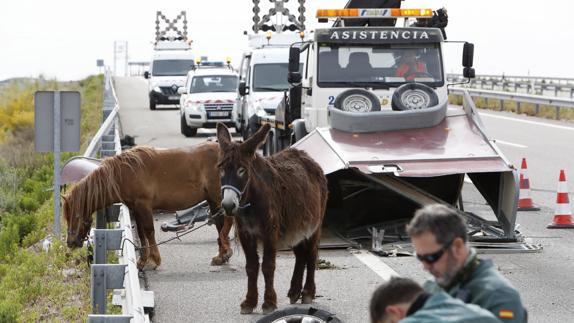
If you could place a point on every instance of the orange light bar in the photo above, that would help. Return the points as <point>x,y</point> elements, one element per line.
<point>373,13</point>
<point>338,13</point>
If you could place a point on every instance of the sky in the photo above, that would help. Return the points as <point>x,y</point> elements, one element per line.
<point>63,38</point>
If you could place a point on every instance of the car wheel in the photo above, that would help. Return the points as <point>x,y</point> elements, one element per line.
<point>187,130</point>
<point>300,314</point>
<point>414,96</point>
<point>358,101</point>
<point>152,104</point>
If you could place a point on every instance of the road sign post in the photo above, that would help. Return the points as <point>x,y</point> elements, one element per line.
<point>57,129</point>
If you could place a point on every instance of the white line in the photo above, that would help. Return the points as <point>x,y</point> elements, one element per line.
<point>509,143</point>
<point>528,121</point>
<point>375,264</point>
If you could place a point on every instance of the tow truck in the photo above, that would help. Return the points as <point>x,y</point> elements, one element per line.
<point>390,144</point>
<point>172,58</point>
<point>263,68</point>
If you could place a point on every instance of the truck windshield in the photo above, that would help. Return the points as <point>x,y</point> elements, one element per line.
<point>383,65</point>
<point>172,67</point>
<point>270,77</point>
<point>214,83</point>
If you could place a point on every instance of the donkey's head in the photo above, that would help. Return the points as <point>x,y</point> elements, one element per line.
<point>78,224</point>
<point>235,165</point>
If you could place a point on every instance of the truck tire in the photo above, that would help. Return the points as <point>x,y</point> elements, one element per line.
<point>414,96</point>
<point>187,130</point>
<point>296,314</point>
<point>152,104</point>
<point>252,127</point>
<point>355,99</point>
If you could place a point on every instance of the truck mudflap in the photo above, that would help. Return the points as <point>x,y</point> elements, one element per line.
<point>390,174</point>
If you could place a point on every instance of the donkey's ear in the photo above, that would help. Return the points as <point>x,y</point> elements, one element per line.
<point>255,141</point>
<point>223,136</point>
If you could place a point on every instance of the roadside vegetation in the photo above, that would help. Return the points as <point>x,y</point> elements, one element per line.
<point>35,284</point>
<point>543,111</point>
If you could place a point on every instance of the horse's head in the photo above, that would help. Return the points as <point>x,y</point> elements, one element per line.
<point>235,165</point>
<point>78,224</point>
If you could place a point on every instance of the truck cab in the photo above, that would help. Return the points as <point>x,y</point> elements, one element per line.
<point>262,79</point>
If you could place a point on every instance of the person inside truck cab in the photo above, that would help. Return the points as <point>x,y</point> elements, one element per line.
<point>410,66</point>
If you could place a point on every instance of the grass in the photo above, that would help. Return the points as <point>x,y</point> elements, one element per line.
<point>36,285</point>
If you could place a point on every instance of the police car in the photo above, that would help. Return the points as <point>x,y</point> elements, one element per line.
<point>207,97</point>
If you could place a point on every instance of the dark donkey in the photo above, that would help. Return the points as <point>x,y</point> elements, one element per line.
<point>278,201</point>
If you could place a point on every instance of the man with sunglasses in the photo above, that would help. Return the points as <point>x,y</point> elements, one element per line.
<point>439,237</point>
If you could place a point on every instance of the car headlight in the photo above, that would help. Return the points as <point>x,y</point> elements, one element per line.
<point>193,106</point>
<point>157,89</point>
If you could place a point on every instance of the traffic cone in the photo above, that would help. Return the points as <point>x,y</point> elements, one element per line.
<point>525,200</point>
<point>562,211</point>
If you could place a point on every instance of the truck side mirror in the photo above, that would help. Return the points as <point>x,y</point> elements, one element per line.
<point>146,74</point>
<point>294,57</point>
<point>467,54</point>
<point>242,88</point>
<point>294,77</point>
<point>468,72</point>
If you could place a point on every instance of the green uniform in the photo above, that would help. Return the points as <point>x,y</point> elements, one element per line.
<point>440,307</point>
<point>481,284</point>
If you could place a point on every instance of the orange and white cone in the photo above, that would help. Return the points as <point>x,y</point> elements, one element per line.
<point>525,198</point>
<point>562,211</point>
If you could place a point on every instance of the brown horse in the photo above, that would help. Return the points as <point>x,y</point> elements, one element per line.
<point>278,201</point>
<point>147,179</point>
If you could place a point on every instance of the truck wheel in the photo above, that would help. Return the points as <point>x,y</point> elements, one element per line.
<point>151,104</point>
<point>414,96</point>
<point>252,127</point>
<point>357,100</point>
<point>300,314</point>
<point>187,130</point>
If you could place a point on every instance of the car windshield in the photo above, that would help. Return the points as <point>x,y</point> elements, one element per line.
<point>271,77</point>
<point>382,65</point>
<point>172,67</point>
<point>214,83</point>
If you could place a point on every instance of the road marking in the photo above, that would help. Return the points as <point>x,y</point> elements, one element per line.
<point>376,264</point>
<point>528,121</point>
<point>509,143</point>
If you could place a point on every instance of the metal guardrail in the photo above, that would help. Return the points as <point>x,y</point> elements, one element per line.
<point>537,100</point>
<point>560,86</point>
<point>125,274</point>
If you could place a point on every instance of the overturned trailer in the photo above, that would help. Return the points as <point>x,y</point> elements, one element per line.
<point>390,142</point>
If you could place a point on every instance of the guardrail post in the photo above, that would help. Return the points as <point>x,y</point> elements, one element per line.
<point>105,277</point>
<point>113,212</point>
<point>106,240</point>
<point>518,107</point>
<point>501,104</point>
<point>557,113</point>
<point>537,108</point>
<point>100,219</point>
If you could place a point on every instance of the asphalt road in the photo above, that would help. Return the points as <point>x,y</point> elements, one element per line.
<point>188,289</point>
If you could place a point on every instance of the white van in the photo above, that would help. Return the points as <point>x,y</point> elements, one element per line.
<point>262,79</point>
<point>170,63</point>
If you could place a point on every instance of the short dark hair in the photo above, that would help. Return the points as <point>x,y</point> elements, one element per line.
<point>397,290</point>
<point>442,221</point>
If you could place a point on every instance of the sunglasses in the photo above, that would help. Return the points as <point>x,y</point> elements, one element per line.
<point>435,256</point>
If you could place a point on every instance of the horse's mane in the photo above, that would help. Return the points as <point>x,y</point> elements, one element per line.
<point>102,183</point>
